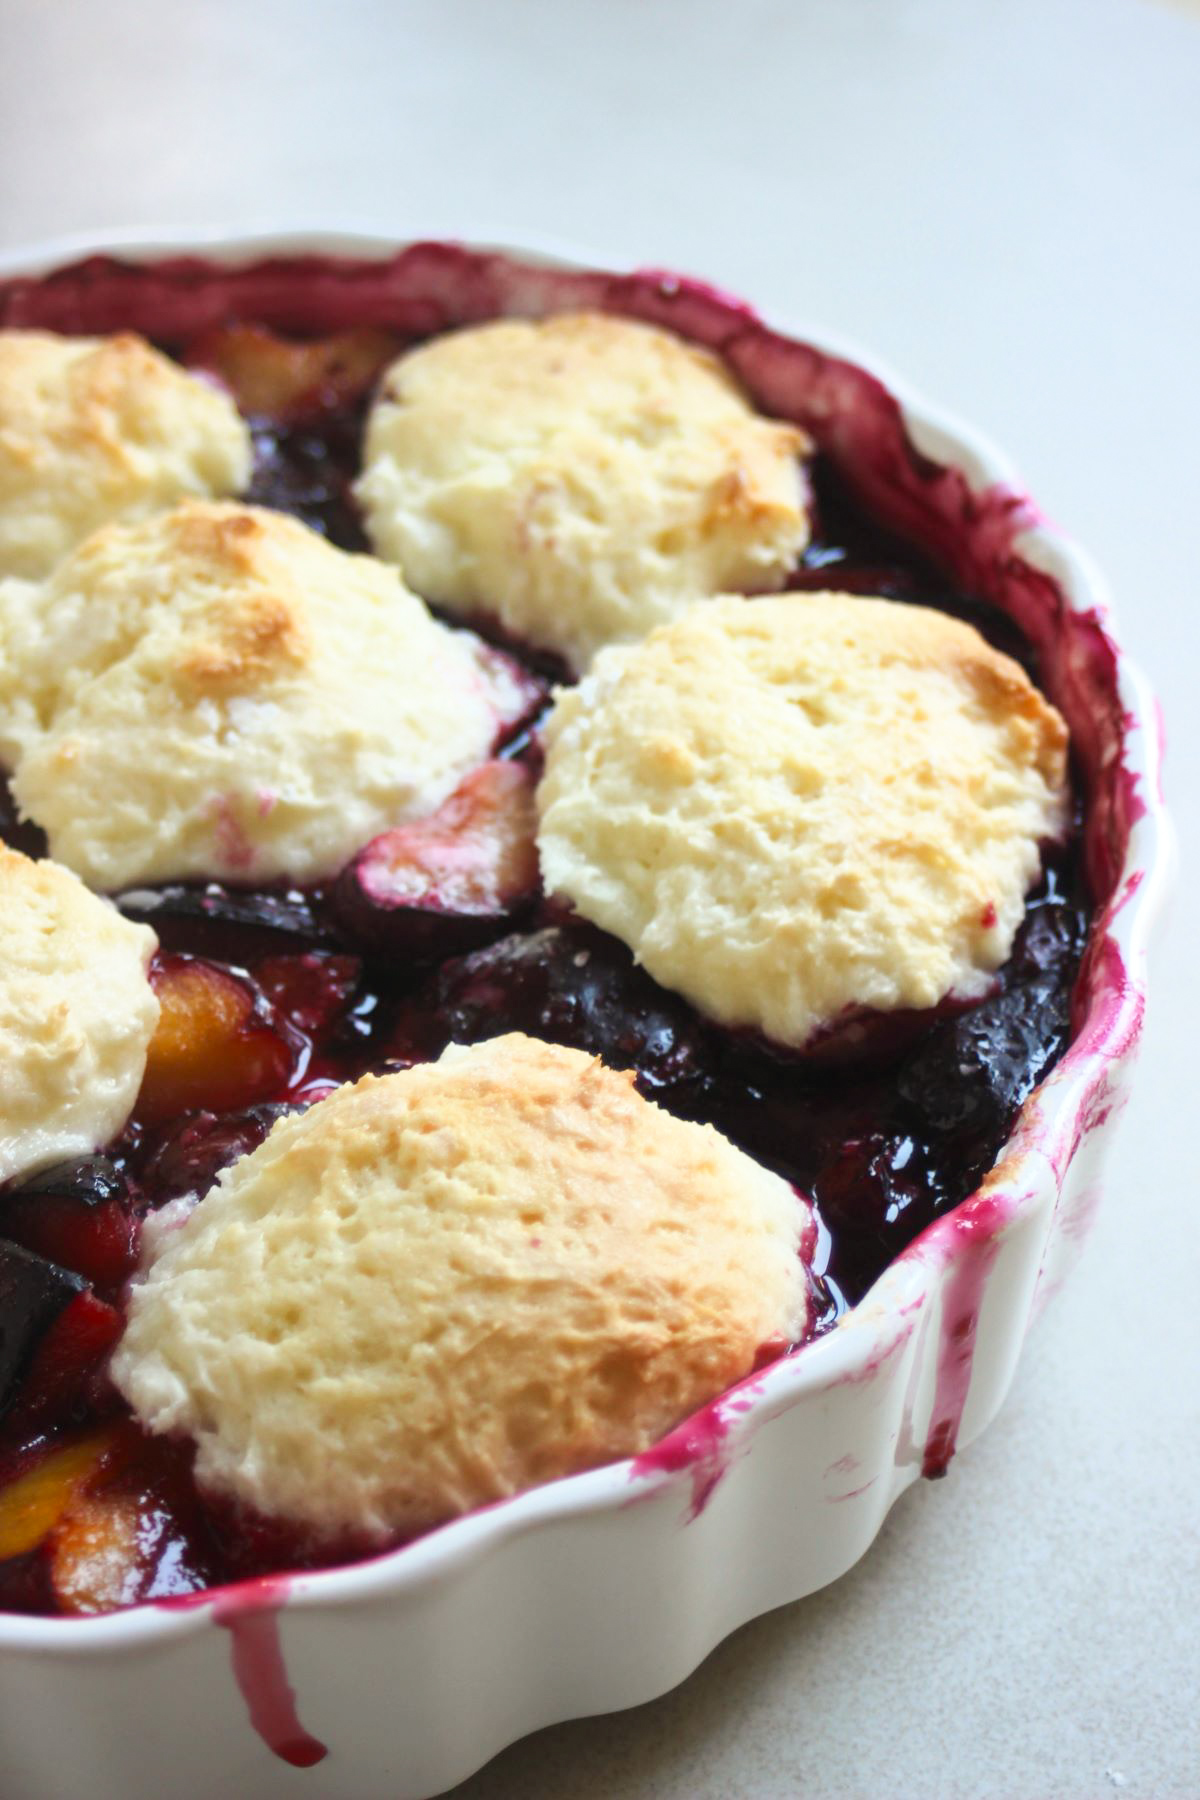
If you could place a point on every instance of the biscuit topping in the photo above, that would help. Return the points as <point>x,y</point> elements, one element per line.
<point>794,810</point>
<point>76,1016</point>
<point>218,692</point>
<point>442,1286</point>
<point>579,478</point>
<point>94,430</point>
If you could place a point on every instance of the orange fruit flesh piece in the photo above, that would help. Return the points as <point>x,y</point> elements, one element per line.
<point>33,1504</point>
<point>208,1049</point>
<point>477,849</point>
<point>95,1559</point>
<point>270,374</point>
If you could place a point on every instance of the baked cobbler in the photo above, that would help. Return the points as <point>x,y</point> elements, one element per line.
<point>425,1074</point>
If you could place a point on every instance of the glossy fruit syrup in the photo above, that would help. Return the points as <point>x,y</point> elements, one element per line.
<point>269,999</point>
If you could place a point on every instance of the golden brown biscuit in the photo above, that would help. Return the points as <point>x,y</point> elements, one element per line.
<point>217,691</point>
<point>76,1015</point>
<point>100,429</point>
<point>794,808</point>
<point>578,478</point>
<point>443,1286</point>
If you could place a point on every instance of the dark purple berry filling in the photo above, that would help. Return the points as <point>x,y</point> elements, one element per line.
<point>351,980</point>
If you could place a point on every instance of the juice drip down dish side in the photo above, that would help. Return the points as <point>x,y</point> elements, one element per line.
<point>435,930</point>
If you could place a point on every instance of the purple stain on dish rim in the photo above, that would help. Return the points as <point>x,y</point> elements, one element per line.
<point>970,1240</point>
<point>853,1494</point>
<point>249,1612</point>
<point>700,1446</point>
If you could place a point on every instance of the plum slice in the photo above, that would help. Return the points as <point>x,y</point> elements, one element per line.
<point>287,378</point>
<point>445,883</point>
<point>211,1047</point>
<point>132,1534</point>
<point>99,1521</point>
<point>191,1154</point>
<point>69,1365</point>
<point>77,1215</point>
<point>95,1564</point>
<point>208,919</point>
<point>313,990</point>
<point>32,1504</point>
<point>569,984</point>
<point>34,1295</point>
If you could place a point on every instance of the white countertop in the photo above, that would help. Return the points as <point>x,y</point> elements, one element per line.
<point>1003,202</point>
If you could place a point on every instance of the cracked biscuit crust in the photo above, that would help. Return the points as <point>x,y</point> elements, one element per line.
<point>443,1286</point>
<point>578,478</point>
<point>94,430</point>
<point>218,692</point>
<point>795,809</point>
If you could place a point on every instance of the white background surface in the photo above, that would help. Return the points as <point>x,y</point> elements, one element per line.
<point>1002,199</point>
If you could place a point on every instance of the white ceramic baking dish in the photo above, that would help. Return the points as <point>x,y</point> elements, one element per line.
<point>602,1591</point>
